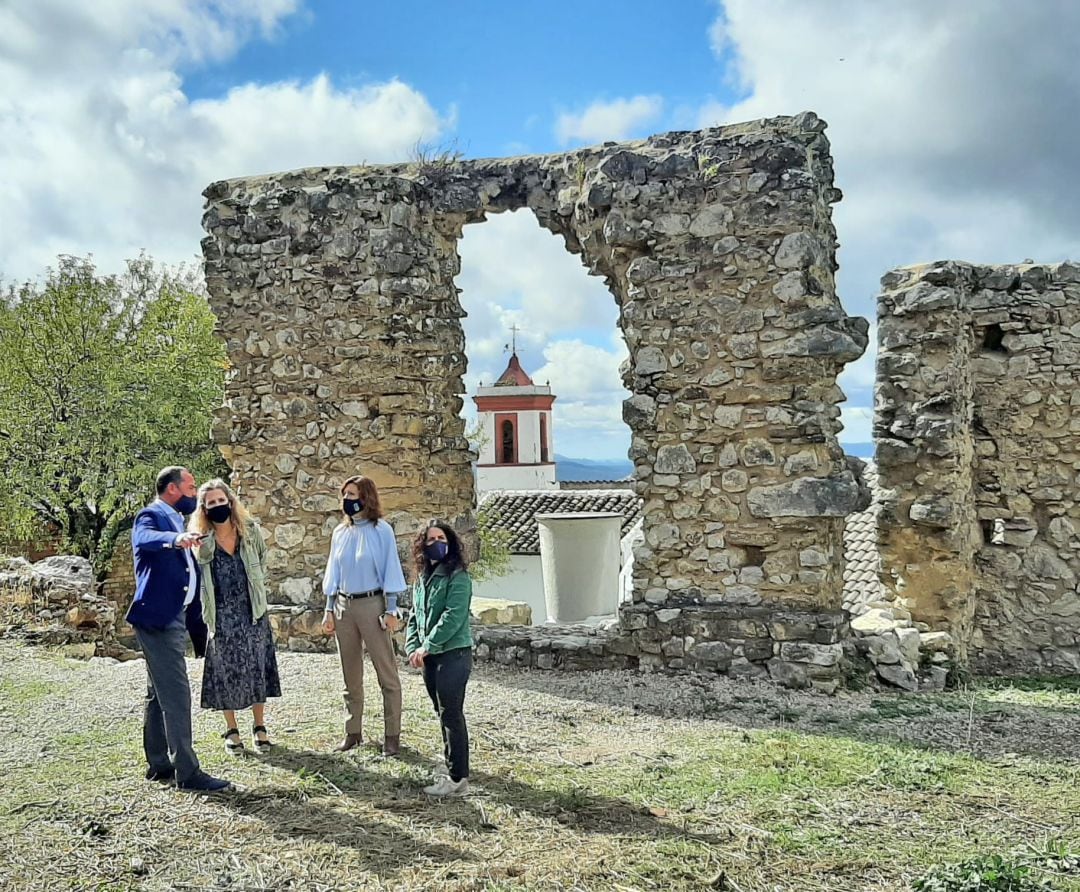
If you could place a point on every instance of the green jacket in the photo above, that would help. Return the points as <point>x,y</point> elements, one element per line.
<point>253,554</point>
<point>440,615</point>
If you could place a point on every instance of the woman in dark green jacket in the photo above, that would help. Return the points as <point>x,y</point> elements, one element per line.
<point>439,641</point>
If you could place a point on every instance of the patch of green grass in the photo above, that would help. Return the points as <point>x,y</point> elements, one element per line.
<point>899,707</point>
<point>1060,683</point>
<point>1044,693</point>
<point>99,740</point>
<point>32,691</point>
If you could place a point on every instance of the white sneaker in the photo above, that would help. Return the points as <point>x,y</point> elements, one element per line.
<point>446,787</point>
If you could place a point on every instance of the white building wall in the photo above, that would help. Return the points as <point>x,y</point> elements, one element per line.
<point>529,437</point>
<point>515,477</point>
<point>580,556</point>
<point>525,583</point>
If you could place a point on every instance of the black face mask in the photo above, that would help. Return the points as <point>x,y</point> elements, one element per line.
<point>352,506</point>
<point>219,513</point>
<point>436,551</point>
<point>186,504</point>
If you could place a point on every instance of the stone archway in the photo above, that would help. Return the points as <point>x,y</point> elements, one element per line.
<point>335,290</point>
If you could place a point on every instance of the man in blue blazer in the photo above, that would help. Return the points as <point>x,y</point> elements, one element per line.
<point>166,611</point>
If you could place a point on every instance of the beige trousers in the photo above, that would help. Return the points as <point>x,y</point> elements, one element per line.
<point>356,627</point>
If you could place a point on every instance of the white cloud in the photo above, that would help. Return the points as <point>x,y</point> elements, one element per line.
<point>578,371</point>
<point>102,151</point>
<point>587,416</point>
<point>858,424</point>
<point>287,125</point>
<point>949,140</point>
<point>604,120</point>
<point>513,272</point>
<point>56,38</point>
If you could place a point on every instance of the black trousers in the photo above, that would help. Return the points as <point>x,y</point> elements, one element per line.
<point>445,676</point>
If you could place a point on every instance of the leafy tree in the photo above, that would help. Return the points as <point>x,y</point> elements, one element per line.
<point>103,380</point>
<point>494,559</point>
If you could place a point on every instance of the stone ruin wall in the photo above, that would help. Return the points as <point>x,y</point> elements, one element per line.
<point>978,429</point>
<point>334,288</point>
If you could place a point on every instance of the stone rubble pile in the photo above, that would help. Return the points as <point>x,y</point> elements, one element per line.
<point>55,602</point>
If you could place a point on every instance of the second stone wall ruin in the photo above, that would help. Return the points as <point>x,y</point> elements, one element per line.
<point>978,429</point>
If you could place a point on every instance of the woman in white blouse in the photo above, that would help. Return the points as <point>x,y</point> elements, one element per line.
<point>362,582</point>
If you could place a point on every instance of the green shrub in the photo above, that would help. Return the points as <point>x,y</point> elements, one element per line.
<point>991,873</point>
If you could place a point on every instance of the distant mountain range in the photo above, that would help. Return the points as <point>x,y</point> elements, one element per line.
<point>588,469</point>
<point>572,469</point>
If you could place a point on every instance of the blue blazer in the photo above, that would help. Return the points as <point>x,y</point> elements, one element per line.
<point>161,577</point>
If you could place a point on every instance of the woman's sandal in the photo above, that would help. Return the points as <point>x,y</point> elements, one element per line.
<point>233,748</point>
<point>261,746</point>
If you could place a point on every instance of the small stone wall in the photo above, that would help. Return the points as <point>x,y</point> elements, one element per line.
<point>794,648</point>
<point>978,428</point>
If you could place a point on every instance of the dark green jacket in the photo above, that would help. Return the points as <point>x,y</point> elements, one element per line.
<point>440,612</point>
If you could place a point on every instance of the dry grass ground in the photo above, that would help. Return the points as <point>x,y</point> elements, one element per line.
<point>593,781</point>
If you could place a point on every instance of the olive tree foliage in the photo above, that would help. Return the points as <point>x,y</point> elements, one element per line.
<point>494,559</point>
<point>104,379</point>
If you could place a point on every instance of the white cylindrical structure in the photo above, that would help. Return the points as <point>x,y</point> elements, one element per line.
<point>579,557</point>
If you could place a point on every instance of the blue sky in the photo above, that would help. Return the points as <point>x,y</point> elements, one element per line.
<point>507,69</point>
<point>953,134</point>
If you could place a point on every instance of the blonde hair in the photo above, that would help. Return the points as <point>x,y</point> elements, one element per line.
<point>200,521</point>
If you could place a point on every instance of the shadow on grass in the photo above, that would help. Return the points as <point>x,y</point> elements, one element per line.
<point>577,809</point>
<point>292,812</point>
<point>1035,718</point>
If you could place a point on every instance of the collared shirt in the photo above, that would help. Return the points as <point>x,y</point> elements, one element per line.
<point>363,557</point>
<point>178,522</point>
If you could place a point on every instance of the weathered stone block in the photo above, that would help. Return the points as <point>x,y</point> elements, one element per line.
<point>499,611</point>
<point>814,654</point>
<point>714,654</point>
<point>790,675</point>
<point>806,497</point>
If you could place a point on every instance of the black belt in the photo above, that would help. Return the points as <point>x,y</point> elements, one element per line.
<point>352,596</point>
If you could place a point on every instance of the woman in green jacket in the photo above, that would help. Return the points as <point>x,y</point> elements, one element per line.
<point>240,670</point>
<point>439,641</point>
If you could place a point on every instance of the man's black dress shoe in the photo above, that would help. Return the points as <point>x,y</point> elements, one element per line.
<point>202,782</point>
<point>160,774</point>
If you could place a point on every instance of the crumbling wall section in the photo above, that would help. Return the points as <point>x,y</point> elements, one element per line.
<point>978,426</point>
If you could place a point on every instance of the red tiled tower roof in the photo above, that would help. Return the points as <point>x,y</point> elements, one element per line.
<point>515,375</point>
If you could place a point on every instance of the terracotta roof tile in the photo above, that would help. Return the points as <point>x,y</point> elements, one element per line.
<point>862,583</point>
<point>515,375</point>
<point>515,510</point>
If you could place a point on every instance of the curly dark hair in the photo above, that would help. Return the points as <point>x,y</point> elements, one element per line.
<point>455,556</point>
